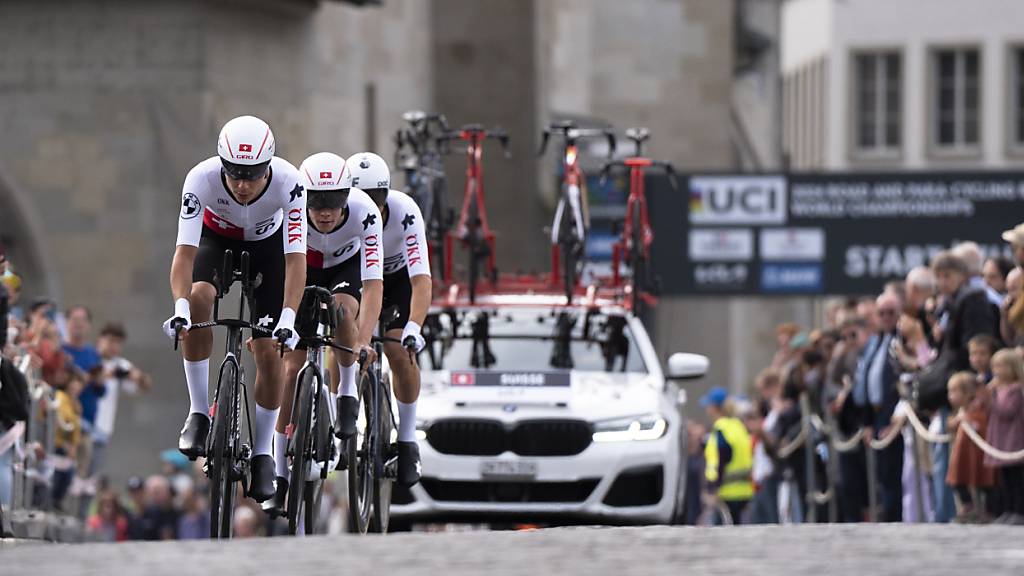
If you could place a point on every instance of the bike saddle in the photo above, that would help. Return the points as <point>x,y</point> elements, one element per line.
<point>414,116</point>
<point>638,135</point>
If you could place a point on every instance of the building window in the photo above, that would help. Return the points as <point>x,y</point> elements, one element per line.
<point>957,101</point>
<point>1017,98</point>
<point>878,96</point>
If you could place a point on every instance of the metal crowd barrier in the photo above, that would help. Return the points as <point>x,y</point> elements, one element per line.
<point>32,476</point>
<point>812,423</point>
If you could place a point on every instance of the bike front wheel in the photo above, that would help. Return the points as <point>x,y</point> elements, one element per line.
<point>360,459</point>
<point>222,454</point>
<point>383,480</point>
<point>302,452</point>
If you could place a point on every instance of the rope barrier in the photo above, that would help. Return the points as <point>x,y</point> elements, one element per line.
<point>887,440</point>
<point>789,449</point>
<point>923,432</point>
<point>988,448</point>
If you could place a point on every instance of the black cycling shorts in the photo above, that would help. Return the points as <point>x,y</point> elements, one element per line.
<point>345,278</point>
<point>397,292</point>
<point>266,257</point>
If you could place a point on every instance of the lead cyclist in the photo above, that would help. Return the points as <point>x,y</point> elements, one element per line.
<point>344,256</point>
<point>245,198</point>
<point>407,285</point>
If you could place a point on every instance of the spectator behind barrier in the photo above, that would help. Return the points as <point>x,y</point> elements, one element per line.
<point>968,475</point>
<point>1006,430</point>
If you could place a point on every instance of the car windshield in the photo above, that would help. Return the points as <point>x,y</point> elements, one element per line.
<point>530,340</point>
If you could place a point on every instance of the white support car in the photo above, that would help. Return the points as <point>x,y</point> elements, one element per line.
<point>539,412</point>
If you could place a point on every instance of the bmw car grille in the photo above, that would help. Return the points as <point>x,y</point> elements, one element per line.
<point>467,437</point>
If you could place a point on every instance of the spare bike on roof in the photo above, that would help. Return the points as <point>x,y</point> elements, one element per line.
<point>634,244</point>
<point>420,148</point>
<point>472,229</point>
<point>572,218</point>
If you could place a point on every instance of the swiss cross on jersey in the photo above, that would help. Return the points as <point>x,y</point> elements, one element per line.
<point>221,226</point>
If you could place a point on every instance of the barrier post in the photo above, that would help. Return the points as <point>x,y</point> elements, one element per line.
<point>810,502</point>
<point>869,459</point>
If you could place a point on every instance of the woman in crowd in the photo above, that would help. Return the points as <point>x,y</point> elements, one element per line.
<point>109,523</point>
<point>1006,430</point>
<point>995,272</point>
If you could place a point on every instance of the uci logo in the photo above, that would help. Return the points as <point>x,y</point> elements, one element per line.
<point>738,200</point>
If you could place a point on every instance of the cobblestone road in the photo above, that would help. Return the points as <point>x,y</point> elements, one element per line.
<point>756,551</point>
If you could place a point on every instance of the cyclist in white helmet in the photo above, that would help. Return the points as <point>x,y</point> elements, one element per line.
<point>245,198</point>
<point>343,255</point>
<point>407,285</point>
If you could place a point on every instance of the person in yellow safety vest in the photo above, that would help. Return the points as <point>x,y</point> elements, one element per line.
<point>728,455</point>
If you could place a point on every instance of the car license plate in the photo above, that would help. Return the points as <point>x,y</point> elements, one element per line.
<point>516,469</point>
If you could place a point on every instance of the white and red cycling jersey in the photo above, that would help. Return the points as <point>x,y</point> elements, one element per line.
<point>405,240</point>
<point>206,202</point>
<point>361,230</point>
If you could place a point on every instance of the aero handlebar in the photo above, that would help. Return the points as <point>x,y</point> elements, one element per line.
<point>572,134</point>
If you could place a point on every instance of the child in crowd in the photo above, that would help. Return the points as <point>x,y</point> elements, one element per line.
<point>981,348</point>
<point>968,474</point>
<point>1006,430</point>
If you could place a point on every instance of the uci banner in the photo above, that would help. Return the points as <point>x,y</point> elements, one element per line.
<point>849,233</point>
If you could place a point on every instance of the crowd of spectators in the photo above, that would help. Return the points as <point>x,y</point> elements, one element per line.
<point>77,378</point>
<point>944,347</point>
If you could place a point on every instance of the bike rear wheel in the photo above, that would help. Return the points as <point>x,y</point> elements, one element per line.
<point>222,454</point>
<point>384,479</point>
<point>360,460</point>
<point>302,453</point>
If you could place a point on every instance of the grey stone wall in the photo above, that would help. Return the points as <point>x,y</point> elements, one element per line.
<point>107,104</point>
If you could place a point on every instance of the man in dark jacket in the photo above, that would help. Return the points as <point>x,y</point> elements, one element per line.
<point>968,310</point>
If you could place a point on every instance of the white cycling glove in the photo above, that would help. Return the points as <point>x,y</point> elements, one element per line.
<point>287,322</point>
<point>181,312</point>
<point>412,329</point>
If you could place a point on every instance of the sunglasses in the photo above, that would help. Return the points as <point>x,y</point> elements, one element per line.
<point>243,171</point>
<point>327,199</point>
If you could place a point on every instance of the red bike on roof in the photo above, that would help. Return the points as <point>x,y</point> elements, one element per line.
<point>637,235</point>
<point>472,228</point>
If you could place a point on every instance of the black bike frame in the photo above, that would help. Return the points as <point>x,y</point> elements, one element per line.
<point>235,454</point>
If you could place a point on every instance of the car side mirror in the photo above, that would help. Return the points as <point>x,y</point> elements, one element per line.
<point>685,366</point>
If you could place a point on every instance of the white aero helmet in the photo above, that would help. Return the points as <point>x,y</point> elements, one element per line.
<point>369,171</point>
<point>325,171</point>
<point>245,147</point>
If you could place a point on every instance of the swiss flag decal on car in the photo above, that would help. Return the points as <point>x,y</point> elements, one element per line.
<point>463,379</point>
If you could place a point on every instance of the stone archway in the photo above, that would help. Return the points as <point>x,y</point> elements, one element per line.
<point>27,242</point>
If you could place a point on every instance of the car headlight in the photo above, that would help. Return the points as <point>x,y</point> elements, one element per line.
<point>421,429</point>
<point>646,427</point>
